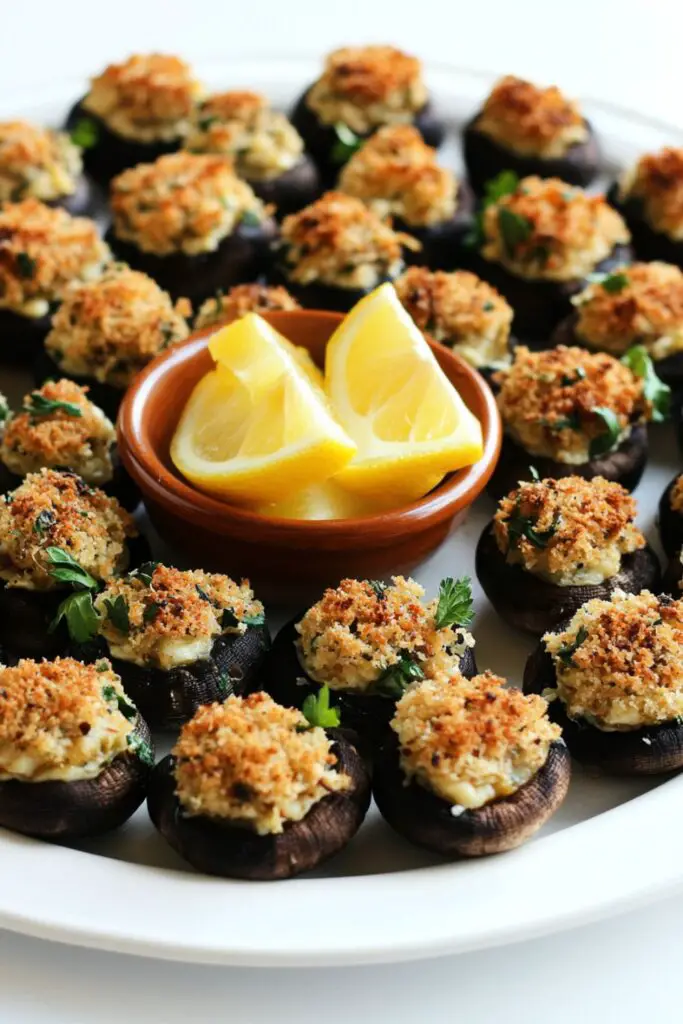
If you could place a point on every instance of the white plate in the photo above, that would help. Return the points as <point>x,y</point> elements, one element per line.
<point>614,843</point>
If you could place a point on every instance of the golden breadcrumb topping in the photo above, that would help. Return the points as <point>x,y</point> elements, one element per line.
<point>553,403</point>
<point>36,162</point>
<point>42,251</point>
<point>339,241</point>
<point>61,720</point>
<point>570,531</point>
<point>52,509</point>
<point>676,495</point>
<point>254,763</point>
<point>531,120</point>
<point>637,304</point>
<point>243,299</point>
<point>149,97</point>
<point>360,631</point>
<point>548,230</point>
<point>173,616</point>
<point>183,202</point>
<point>261,142</point>
<point>657,180</point>
<point>59,428</point>
<point>367,86</point>
<point>111,328</point>
<point>459,310</point>
<point>619,663</point>
<point>471,741</point>
<point>396,174</point>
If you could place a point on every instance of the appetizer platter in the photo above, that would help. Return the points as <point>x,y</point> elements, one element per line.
<point>341,519</point>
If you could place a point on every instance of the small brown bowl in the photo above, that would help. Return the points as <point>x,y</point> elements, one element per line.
<point>287,556</point>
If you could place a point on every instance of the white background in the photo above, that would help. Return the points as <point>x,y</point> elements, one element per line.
<point>625,970</point>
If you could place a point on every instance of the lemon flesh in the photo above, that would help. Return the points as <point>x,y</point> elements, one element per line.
<point>390,395</point>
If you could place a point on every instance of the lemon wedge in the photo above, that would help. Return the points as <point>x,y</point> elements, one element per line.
<point>255,428</point>
<point>390,395</point>
<point>328,500</point>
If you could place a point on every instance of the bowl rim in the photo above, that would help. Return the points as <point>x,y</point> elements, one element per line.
<point>154,478</point>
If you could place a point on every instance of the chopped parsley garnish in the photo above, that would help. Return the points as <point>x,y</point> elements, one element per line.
<point>317,711</point>
<point>84,133</point>
<point>454,607</point>
<point>379,587</point>
<point>655,391</point>
<point>614,283</point>
<point>397,678</point>
<point>65,568</point>
<point>567,651</point>
<point>43,521</point>
<point>102,666</point>
<point>117,613</point>
<point>250,219</point>
<point>202,593</point>
<point>82,620</point>
<point>151,611</point>
<point>514,229</point>
<point>112,696</point>
<point>504,184</point>
<point>206,122</point>
<point>576,375</point>
<point>141,748</point>
<point>26,265</point>
<point>253,620</point>
<point>144,572</point>
<point>39,405</point>
<point>606,441</point>
<point>520,526</point>
<point>345,145</point>
<point>571,422</point>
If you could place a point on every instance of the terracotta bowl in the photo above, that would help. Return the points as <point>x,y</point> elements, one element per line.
<point>285,557</point>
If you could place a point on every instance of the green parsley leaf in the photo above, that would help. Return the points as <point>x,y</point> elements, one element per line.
<point>43,521</point>
<point>85,133</point>
<point>151,611</point>
<point>82,621</point>
<point>614,283</point>
<point>126,707</point>
<point>142,749</point>
<point>523,526</point>
<point>38,405</point>
<point>253,620</point>
<point>504,184</point>
<point>250,219</point>
<point>117,613</point>
<point>655,391</point>
<point>346,143</point>
<point>102,666</point>
<point>144,572</point>
<point>605,442</point>
<point>317,710</point>
<point>566,651</point>
<point>26,265</point>
<point>454,607</point>
<point>65,568</point>
<point>202,593</point>
<point>397,678</point>
<point>567,379</point>
<point>514,229</point>
<point>379,587</point>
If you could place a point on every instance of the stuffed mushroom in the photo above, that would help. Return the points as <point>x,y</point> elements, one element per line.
<point>367,641</point>
<point>470,767</point>
<point>569,412</point>
<point>58,427</point>
<point>539,239</point>
<point>555,544</point>
<point>266,150</point>
<point>226,307</point>
<point>253,790</point>
<point>397,176</point>
<point>363,88</point>
<point>133,112</point>
<point>40,163</point>
<point>462,312</point>
<point>528,129</point>
<point>105,332</point>
<point>178,639</point>
<point>190,223</point>
<point>649,197</point>
<point>613,675</point>
<point>59,539</point>
<point>336,250</point>
<point>75,755</point>
<point>43,252</point>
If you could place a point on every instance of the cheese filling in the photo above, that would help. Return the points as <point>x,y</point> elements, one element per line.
<point>37,163</point>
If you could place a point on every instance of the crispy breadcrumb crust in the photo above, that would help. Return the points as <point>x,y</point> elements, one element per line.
<point>396,174</point>
<point>647,309</point>
<point>619,663</point>
<point>242,299</point>
<point>182,202</point>
<point>43,250</point>
<point>657,180</point>
<point>471,741</point>
<point>367,86</point>
<point>260,141</point>
<point>337,240</point>
<point>459,310</point>
<point>547,230</point>
<point>358,631</point>
<point>60,717</point>
<point>78,436</point>
<point>111,328</point>
<point>580,528</point>
<point>548,400</point>
<point>36,162</point>
<point>175,605</point>
<point>531,120</point>
<point>254,763</point>
<point>58,509</point>
<point>148,97</point>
